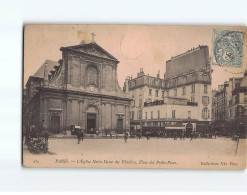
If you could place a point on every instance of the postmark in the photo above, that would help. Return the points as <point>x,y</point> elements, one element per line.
<point>227,48</point>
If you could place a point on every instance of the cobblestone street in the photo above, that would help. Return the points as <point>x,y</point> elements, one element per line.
<point>143,147</point>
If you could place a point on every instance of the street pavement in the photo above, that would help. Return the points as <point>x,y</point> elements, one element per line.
<point>153,146</point>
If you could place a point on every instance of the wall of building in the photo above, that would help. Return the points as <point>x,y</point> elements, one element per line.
<point>181,112</point>
<point>195,60</point>
<point>74,109</point>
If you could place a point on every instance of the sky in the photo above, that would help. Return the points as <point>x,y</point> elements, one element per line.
<point>135,46</point>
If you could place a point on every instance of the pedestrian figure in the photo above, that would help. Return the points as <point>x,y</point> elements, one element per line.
<point>191,136</point>
<point>215,134</point>
<point>139,134</point>
<point>46,136</point>
<point>126,136</point>
<point>32,132</point>
<point>175,135</point>
<point>184,135</point>
<point>79,136</point>
<point>147,135</point>
<point>110,135</point>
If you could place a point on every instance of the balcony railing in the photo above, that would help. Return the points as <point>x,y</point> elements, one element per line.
<point>161,102</point>
<point>157,102</point>
<point>192,103</point>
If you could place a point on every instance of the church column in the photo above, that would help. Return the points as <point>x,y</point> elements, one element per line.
<point>69,69</point>
<point>103,76</point>
<point>114,116</point>
<point>80,114</point>
<point>65,114</point>
<point>84,72</point>
<point>46,113</point>
<point>99,80</point>
<point>69,109</point>
<point>100,119</point>
<point>100,77</point>
<point>85,121</point>
<point>114,78</point>
<point>103,113</point>
<point>84,117</point>
<point>111,116</point>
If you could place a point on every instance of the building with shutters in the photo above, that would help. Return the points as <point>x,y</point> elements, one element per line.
<point>229,108</point>
<point>179,101</point>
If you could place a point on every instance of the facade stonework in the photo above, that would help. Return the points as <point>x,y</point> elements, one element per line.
<point>83,91</point>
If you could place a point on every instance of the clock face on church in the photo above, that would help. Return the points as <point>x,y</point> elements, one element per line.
<point>91,88</point>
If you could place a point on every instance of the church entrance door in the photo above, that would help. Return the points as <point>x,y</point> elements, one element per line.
<point>91,123</point>
<point>55,124</point>
<point>119,126</point>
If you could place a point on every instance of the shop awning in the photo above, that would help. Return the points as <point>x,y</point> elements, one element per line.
<point>175,128</point>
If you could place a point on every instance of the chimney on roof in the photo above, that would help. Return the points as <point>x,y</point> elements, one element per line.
<point>126,84</point>
<point>93,35</point>
<point>226,84</point>
<point>158,75</point>
<point>82,42</point>
<point>141,73</point>
<point>220,87</point>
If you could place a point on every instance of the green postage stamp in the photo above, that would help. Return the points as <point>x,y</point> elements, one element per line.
<point>227,48</point>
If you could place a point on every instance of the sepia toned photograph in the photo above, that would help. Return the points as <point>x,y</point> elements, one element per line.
<point>134,96</point>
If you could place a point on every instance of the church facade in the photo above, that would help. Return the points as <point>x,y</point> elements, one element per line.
<point>81,90</point>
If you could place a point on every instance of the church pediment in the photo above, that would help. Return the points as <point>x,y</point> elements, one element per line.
<point>92,49</point>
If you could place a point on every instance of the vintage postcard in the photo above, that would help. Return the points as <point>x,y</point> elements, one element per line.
<point>134,96</point>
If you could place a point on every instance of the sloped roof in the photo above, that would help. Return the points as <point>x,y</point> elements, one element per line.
<point>49,66</point>
<point>92,49</point>
<point>243,82</point>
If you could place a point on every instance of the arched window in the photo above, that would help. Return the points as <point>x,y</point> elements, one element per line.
<point>92,75</point>
<point>205,113</point>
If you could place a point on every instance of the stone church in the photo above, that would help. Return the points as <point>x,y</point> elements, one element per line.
<point>81,89</point>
